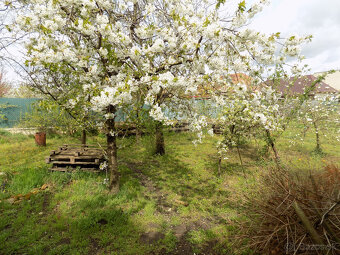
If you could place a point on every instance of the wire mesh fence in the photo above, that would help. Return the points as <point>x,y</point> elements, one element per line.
<point>12,110</point>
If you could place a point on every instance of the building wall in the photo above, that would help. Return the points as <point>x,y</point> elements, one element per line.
<point>332,79</point>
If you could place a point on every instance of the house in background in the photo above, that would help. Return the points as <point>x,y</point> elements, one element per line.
<point>224,85</point>
<point>297,86</point>
<point>241,78</point>
<point>333,79</point>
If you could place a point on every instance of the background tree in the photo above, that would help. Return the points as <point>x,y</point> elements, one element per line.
<point>4,85</point>
<point>4,90</point>
<point>68,92</point>
<point>9,39</point>
<point>48,116</point>
<point>245,114</point>
<point>24,90</point>
<point>321,114</point>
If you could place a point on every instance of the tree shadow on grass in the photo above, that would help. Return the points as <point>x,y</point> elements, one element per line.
<point>194,196</point>
<point>250,153</point>
<point>227,167</point>
<point>108,229</point>
<point>175,177</point>
<point>93,224</point>
<point>77,216</point>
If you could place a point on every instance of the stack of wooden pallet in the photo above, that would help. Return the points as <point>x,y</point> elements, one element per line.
<point>180,127</point>
<point>70,157</point>
<point>217,129</point>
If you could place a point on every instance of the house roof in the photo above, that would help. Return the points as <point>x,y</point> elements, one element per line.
<point>297,86</point>
<point>242,78</point>
<point>236,78</point>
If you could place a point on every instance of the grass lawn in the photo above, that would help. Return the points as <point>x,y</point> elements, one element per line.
<point>172,204</point>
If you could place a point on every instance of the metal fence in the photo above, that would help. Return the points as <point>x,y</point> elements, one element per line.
<point>12,110</point>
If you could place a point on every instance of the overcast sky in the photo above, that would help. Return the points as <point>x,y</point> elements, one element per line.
<point>320,18</point>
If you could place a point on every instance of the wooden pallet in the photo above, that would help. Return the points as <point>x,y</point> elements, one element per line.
<point>217,129</point>
<point>70,157</point>
<point>180,127</point>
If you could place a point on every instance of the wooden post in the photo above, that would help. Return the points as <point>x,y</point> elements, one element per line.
<point>307,224</point>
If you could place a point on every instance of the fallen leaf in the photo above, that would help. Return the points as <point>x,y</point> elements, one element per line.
<point>28,196</point>
<point>43,187</point>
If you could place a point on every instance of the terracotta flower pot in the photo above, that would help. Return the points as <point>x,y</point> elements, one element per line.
<point>40,138</point>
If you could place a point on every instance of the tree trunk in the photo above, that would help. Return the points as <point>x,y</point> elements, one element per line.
<point>160,146</point>
<point>83,137</point>
<point>219,166</point>
<point>239,154</point>
<point>138,135</point>
<point>138,130</point>
<point>112,152</point>
<point>272,144</point>
<point>318,145</point>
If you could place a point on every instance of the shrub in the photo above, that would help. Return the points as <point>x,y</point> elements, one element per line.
<point>295,211</point>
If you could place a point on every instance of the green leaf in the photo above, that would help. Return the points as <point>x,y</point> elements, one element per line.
<point>242,6</point>
<point>206,22</point>
<point>219,2</point>
<point>8,28</point>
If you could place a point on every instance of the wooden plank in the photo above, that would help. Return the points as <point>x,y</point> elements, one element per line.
<point>180,129</point>
<point>75,163</point>
<point>70,169</point>
<point>90,146</point>
<point>82,151</point>
<point>56,157</point>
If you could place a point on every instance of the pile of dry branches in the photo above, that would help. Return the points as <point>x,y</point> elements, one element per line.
<point>295,212</point>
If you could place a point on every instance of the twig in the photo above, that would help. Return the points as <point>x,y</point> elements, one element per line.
<point>328,211</point>
<point>297,248</point>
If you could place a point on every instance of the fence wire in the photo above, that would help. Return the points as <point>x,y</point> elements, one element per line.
<point>12,110</point>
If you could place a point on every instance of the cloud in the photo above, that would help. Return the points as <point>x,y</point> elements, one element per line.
<point>320,14</point>
<point>304,17</point>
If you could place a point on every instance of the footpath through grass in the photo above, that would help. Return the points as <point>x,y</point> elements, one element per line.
<point>174,204</point>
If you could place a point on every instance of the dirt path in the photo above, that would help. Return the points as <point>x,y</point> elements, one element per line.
<point>153,191</point>
<point>167,210</point>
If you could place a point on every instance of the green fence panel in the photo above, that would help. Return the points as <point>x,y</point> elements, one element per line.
<point>12,110</point>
